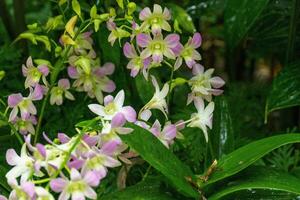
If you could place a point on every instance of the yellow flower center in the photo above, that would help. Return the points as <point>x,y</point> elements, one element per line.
<point>110,108</point>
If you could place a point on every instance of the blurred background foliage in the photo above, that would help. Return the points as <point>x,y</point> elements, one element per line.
<point>253,45</point>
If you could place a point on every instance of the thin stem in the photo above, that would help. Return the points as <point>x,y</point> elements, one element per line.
<point>211,150</point>
<point>14,130</point>
<point>57,68</point>
<point>147,173</point>
<point>170,84</point>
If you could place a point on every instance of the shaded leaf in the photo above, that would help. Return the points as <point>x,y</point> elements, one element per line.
<point>285,89</point>
<point>248,154</point>
<point>222,133</point>
<point>240,16</point>
<point>261,178</point>
<point>144,88</point>
<point>162,159</point>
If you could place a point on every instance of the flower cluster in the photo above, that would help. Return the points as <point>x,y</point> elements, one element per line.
<point>151,47</point>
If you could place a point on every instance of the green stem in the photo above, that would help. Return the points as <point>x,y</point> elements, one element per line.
<point>58,67</point>
<point>170,84</point>
<point>14,130</point>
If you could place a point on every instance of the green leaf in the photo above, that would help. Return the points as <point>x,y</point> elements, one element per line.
<point>222,133</point>
<point>144,88</point>
<point>240,16</point>
<point>162,159</point>
<point>120,3</point>
<point>146,190</point>
<point>261,178</point>
<point>248,154</point>
<point>182,18</point>
<point>76,8</point>
<point>285,89</point>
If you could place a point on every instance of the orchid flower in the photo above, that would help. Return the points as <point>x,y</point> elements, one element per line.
<point>188,52</point>
<point>113,106</point>
<point>33,74</point>
<point>116,32</point>
<point>24,191</point>
<point>158,47</point>
<point>203,118</point>
<point>62,89</point>
<point>156,20</point>
<point>25,126</point>
<point>43,194</point>
<point>203,85</point>
<point>136,63</point>
<point>23,165</point>
<point>158,100</point>
<point>166,135</point>
<point>17,101</point>
<point>78,187</point>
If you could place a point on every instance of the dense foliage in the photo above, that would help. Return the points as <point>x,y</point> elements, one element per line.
<point>118,100</point>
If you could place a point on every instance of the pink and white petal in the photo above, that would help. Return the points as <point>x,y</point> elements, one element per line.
<point>75,175</point>
<point>145,13</point>
<point>41,149</point>
<point>199,104</point>
<point>217,82</point>
<point>64,83</point>
<point>196,40</point>
<point>12,157</point>
<point>167,14</point>
<point>210,108</point>
<point>44,69</point>
<point>129,113</point>
<point>72,72</point>
<point>146,53</point>
<point>216,92</point>
<point>28,187</point>
<point>29,62</point>
<point>110,147</point>
<point>145,115</point>
<point>169,53</point>
<point>91,179</point>
<point>198,69</point>
<point>157,9</point>
<point>170,131</point>
<point>64,195</point>
<point>78,195</point>
<point>108,68</point>
<point>58,184</point>
<point>13,114</point>
<point>111,162</point>
<point>109,86</point>
<point>123,130</point>
<point>134,72</point>
<point>14,99</point>
<point>177,49</point>
<point>24,70</point>
<point>37,93</point>
<point>119,99</point>
<point>77,164</point>
<point>108,99</point>
<point>129,50</point>
<point>90,193</point>
<point>143,39</point>
<point>172,40</point>
<point>118,120</point>
<point>97,109</point>
<point>190,62</point>
<point>196,55</point>
<point>157,57</point>
<point>178,63</point>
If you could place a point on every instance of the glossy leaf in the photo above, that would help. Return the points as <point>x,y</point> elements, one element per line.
<point>181,17</point>
<point>146,190</point>
<point>261,178</point>
<point>285,89</point>
<point>162,159</point>
<point>144,88</point>
<point>248,154</point>
<point>240,16</point>
<point>222,133</point>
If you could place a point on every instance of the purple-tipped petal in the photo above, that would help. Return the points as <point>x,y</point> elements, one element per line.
<point>157,57</point>
<point>72,72</point>
<point>12,157</point>
<point>37,93</point>
<point>64,83</point>
<point>172,40</point>
<point>118,120</point>
<point>129,50</point>
<point>216,92</point>
<point>107,69</point>
<point>108,99</point>
<point>110,86</point>
<point>58,184</point>
<point>198,69</point>
<point>217,82</point>
<point>145,13</point>
<point>134,72</point>
<point>145,115</point>
<point>92,179</point>
<point>77,164</point>
<point>14,99</point>
<point>75,175</point>
<point>44,69</point>
<point>190,62</point>
<point>110,147</point>
<point>129,113</point>
<point>28,188</point>
<point>41,148</point>
<point>63,138</point>
<point>170,131</point>
<point>196,40</point>
<point>143,39</point>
